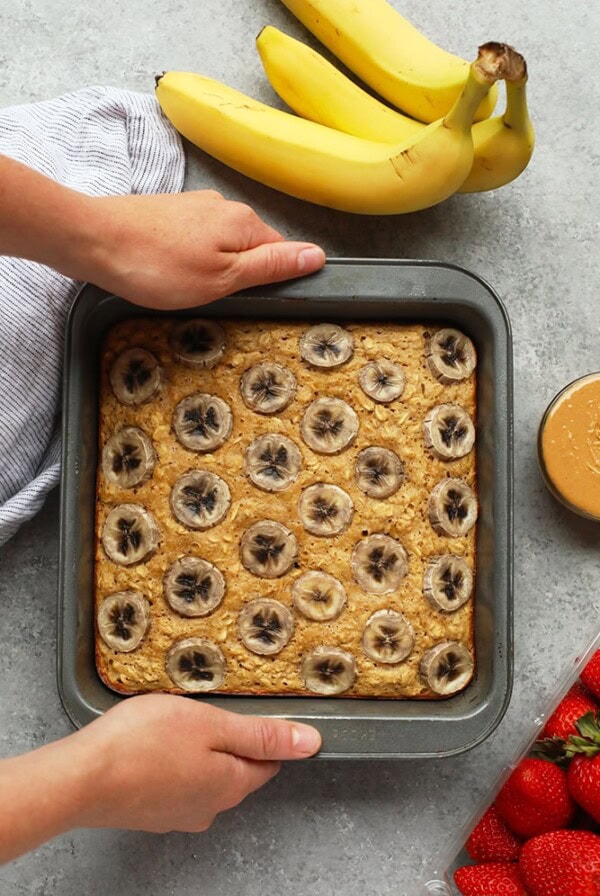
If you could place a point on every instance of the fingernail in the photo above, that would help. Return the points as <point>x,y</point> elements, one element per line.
<point>311,259</point>
<point>305,739</point>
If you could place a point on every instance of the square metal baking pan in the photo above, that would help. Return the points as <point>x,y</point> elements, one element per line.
<point>353,289</point>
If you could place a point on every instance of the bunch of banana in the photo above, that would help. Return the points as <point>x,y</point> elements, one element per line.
<point>316,90</point>
<point>349,151</point>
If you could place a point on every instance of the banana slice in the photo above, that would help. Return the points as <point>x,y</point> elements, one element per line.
<point>447,667</point>
<point>383,381</point>
<point>268,549</point>
<point>268,387</point>
<point>325,509</point>
<point>379,563</point>
<point>196,665</point>
<point>451,356</point>
<point>318,596</point>
<point>329,425</point>
<point>328,670</point>
<point>128,458</point>
<point>123,620</point>
<point>326,345</point>
<point>273,462</point>
<point>448,583</point>
<point>449,431</point>
<point>198,343</point>
<point>379,472</point>
<point>136,376</point>
<point>452,508</point>
<point>200,499</point>
<point>130,534</point>
<point>388,637</point>
<point>194,587</point>
<point>265,626</point>
<point>202,422</point>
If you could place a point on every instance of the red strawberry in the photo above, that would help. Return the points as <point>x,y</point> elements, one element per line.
<point>535,799</point>
<point>498,878</point>
<point>491,840</point>
<point>562,863</point>
<point>591,675</point>
<point>583,821</point>
<point>571,708</point>
<point>583,779</point>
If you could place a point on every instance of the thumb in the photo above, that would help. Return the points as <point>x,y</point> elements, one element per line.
<point>254,737</point>
<point>272,262</point>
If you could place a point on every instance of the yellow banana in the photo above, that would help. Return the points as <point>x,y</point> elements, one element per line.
<point>503,144</point>
<point>390,55</point>
<point>327,167</point>
<point>317,90</point>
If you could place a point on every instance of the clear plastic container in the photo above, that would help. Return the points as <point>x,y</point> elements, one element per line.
<point>440,880</point>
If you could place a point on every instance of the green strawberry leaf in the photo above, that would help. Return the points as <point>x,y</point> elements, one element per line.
<point>553,749</point>
<point>587,743</point>
<point>589,726</point>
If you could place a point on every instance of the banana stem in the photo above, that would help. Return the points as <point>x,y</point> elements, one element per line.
<point>460,116</point>
<point>495,61</point>
<point>516,115</point>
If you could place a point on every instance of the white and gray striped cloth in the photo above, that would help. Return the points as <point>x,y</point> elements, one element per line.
<point>100,141</point>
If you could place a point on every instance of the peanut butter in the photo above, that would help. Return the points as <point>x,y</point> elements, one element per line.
<point>570,445</point>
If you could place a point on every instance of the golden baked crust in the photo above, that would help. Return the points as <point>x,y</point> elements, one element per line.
<point>404,515</point>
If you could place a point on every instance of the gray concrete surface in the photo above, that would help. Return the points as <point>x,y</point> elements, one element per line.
<point>355,828</point>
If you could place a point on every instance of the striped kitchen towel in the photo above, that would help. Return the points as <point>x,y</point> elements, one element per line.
<point>100,141</point>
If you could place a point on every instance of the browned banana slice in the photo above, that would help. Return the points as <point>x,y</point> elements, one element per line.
<point>128,458</point>
<point>196,665</point>
<point>447,668</point>
<point>268,387</point>
<point>326,345</point>
<point>130,534</point>
<point>379,563</point>
<point>449,431</point>
<point>268,549</point>
<point>329,425</point>
<point>448,583</point>
<point>200,499</point>
<point>198,343</point>
<point>379,472</point>
<point>123,620</point>
<point>136,376</point>
<point>325,509</point>
<point>452,508</point>
<point>328,670</point>
<point>202,422</point>
<point>388,637</point>
<point>194,587</point>
<point>318,596</point>
<point>383,381</point>
<point>265,626</point>
<point>451,356</point>
<point>273,462</point>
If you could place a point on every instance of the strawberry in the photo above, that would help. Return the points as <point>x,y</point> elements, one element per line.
<point>491,840</point>
<point>535,799</point>
<point>583,821</point>
<point>561,863</point>
<point>499,878</point>
<point>583,779</point>
<point>571,708</point>
<point>583,775</point>
<point>591,675</point>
